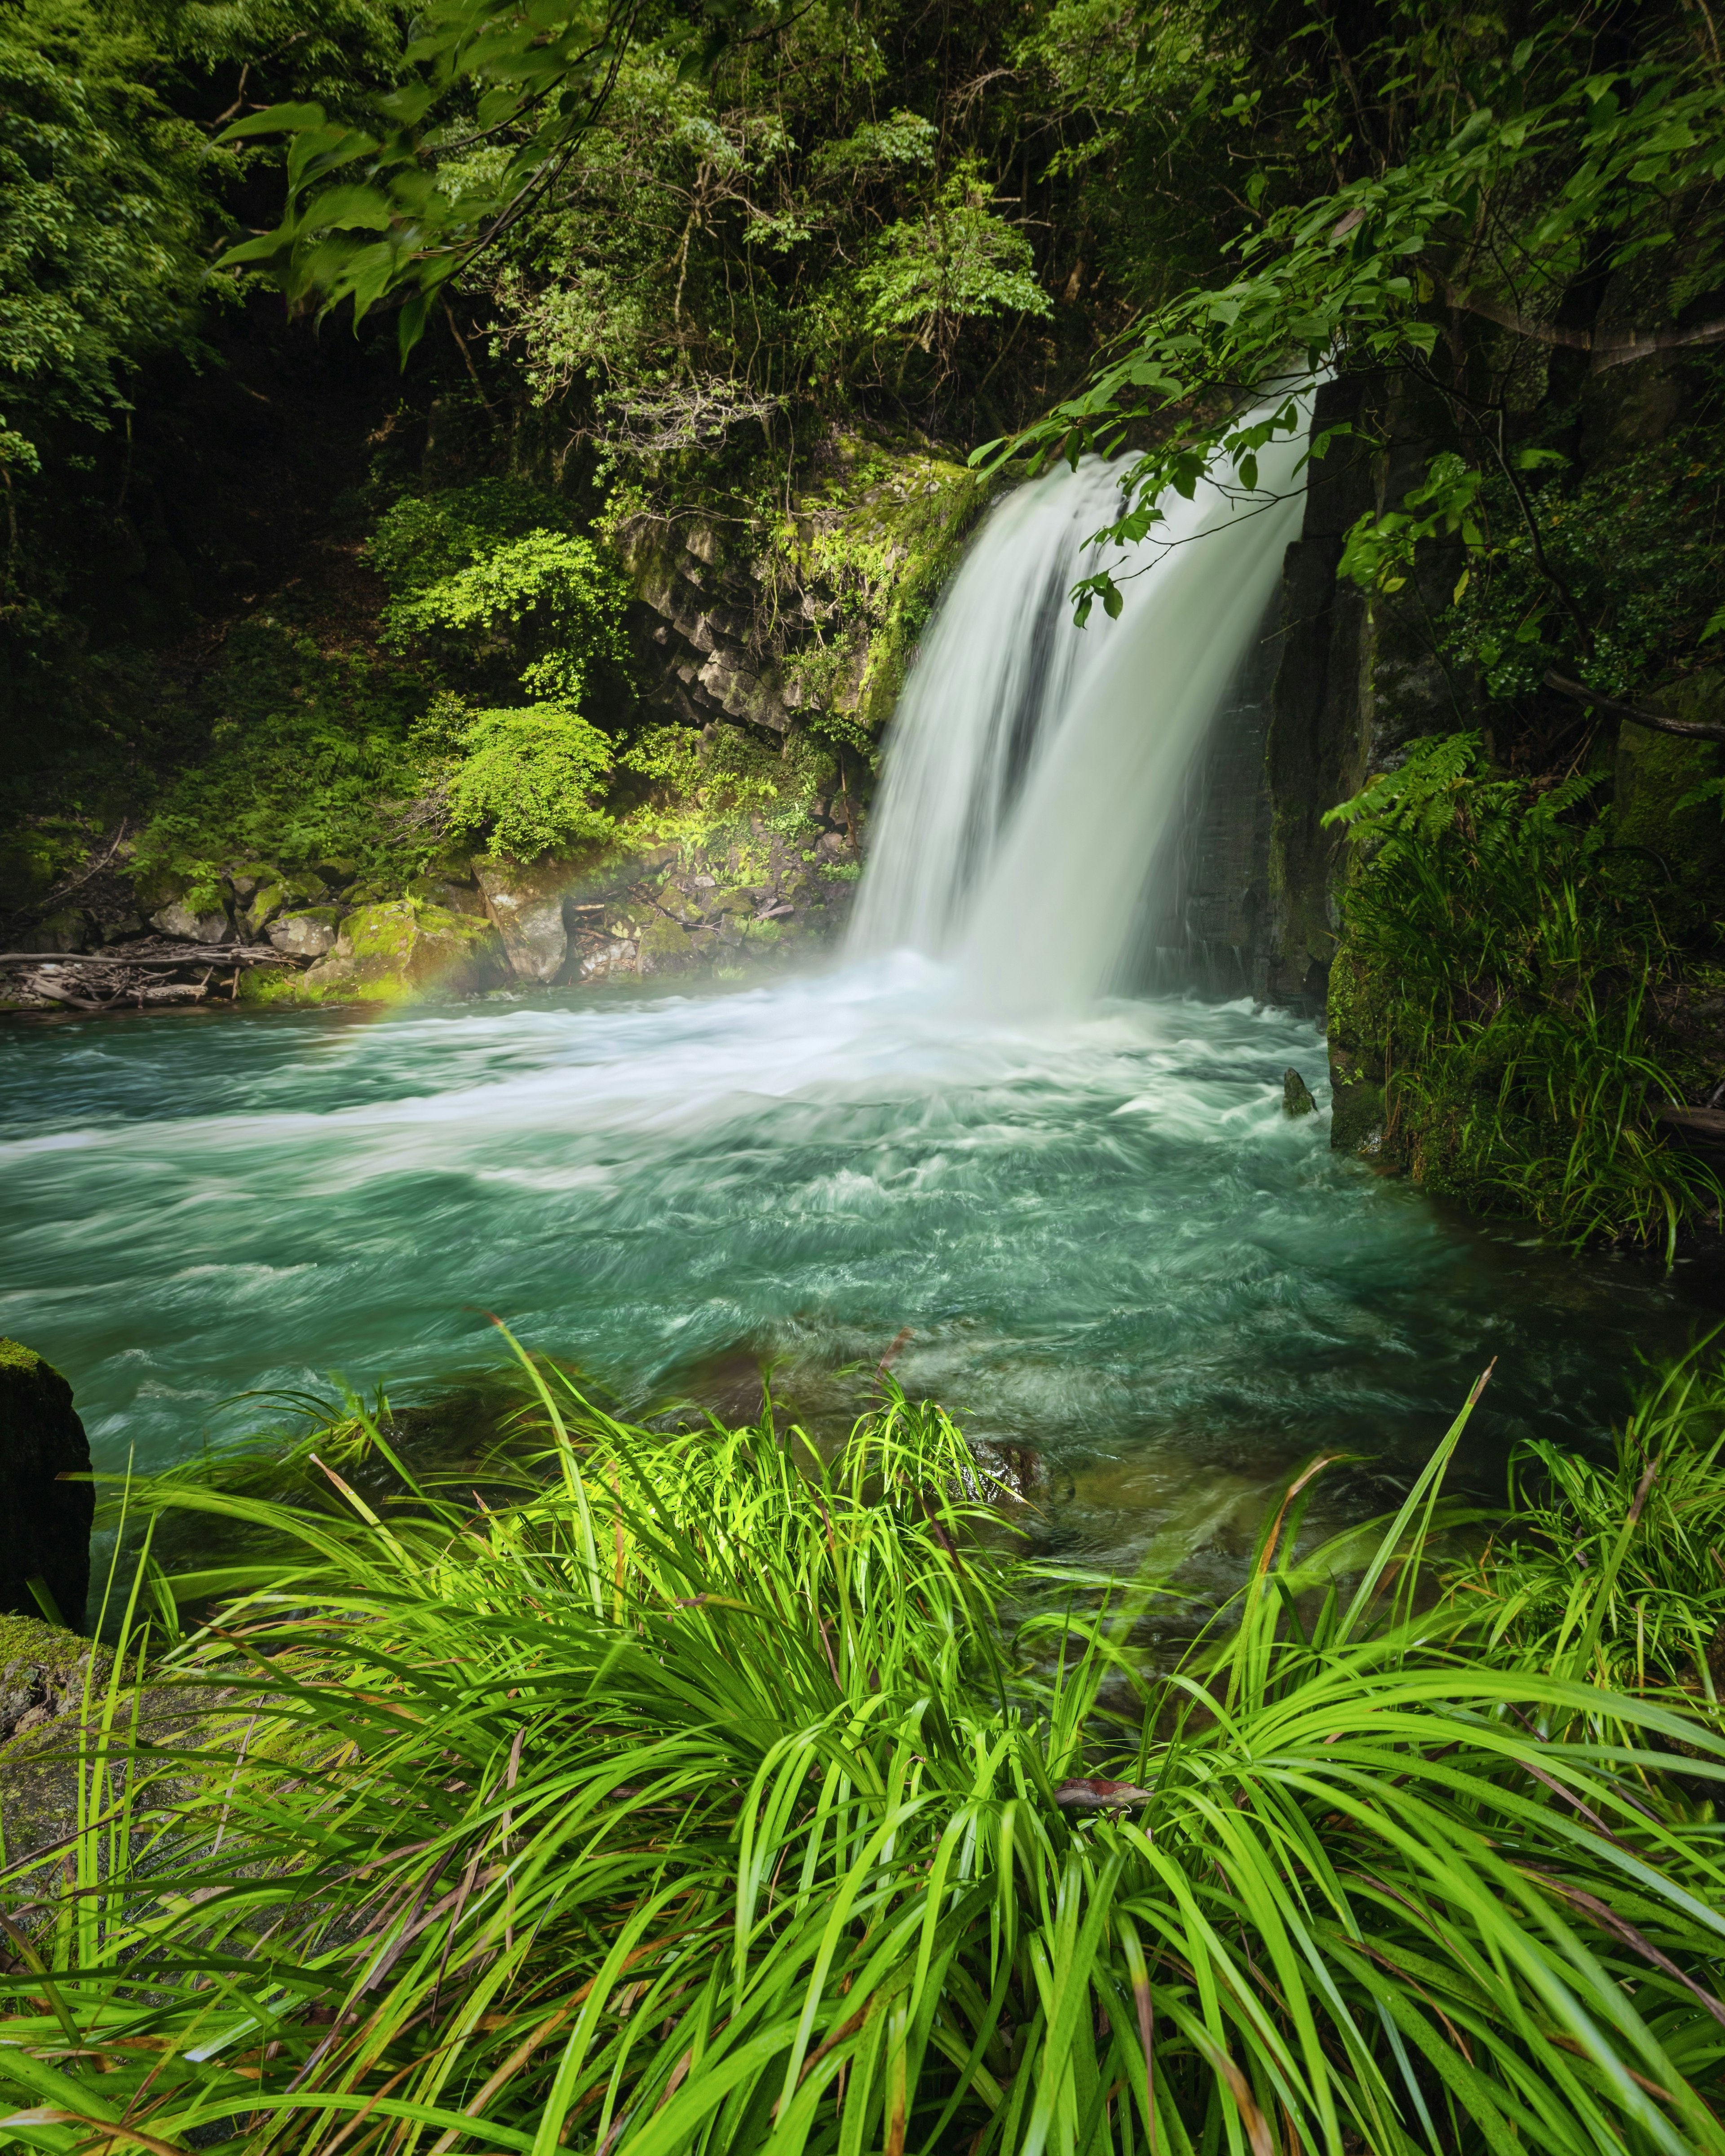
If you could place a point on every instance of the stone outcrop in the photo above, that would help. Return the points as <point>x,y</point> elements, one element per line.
<point>311,934</point>
<point>769,622</point>
<point>43,1671</point>
<point>389,953</point>
<point>54,1702</point>
<point>44,1522</point>
<point>525,902</point>
<point>178,919</point>
<point>698,628</point>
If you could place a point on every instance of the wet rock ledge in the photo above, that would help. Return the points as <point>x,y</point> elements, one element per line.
<point>44,1520</point>
<point>481,924</point>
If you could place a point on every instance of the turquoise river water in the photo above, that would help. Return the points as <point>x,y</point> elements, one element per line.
<point>1102,1236</point>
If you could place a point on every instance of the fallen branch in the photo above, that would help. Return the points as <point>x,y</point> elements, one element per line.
<point>1704,1126</point>
<point>1607,347</point>
<point>1660,721</point>
<point>189,954</point>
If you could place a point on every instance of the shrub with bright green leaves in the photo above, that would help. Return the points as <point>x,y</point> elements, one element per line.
<point>957,263</point>
<point>529,778</point>
<point>473,581</point>
<point>102,196</point>
<point>1632,548</point>
<point>708,1797</point>
<point>424,537</point>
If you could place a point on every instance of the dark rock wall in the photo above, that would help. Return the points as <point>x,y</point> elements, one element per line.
<point>1206,917</point>
<point>44,1522</point>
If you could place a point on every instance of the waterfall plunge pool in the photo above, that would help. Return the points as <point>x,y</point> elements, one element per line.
<point>1103,1235</point>
<point>1088,1216</point>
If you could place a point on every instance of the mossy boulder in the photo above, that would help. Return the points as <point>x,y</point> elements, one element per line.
<point>58,1693</point>
<point>70,929</point>
<point>269,897</point>
<point>261,986</point>
<point>390,952</point>
<point>42,1670</point>
<point>309,932</point>
<point>665,946</point>
<point>44,1522</point>
<point>525,900</point>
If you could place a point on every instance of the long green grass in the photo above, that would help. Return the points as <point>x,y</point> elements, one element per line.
<point>1498,977</point>
<point>709,1796</point>
<point>1614,1572</point>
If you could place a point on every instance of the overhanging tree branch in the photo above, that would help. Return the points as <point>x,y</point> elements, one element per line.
<point>1633,714</point>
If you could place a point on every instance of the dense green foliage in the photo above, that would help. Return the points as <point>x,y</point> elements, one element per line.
<point>709,1797</point>
<point>1491,174</point>
<point>1616,1561</point>
<point>1502,960</point>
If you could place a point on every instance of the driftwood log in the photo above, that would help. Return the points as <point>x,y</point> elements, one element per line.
<point>1704,1127</point>
<point>136,975</point>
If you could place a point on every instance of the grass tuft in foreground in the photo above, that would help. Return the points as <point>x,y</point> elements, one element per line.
<point>706,1798</point>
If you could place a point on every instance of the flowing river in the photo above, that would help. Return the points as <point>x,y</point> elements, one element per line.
<point>1082,1216</point>
<point>1103,1235</point>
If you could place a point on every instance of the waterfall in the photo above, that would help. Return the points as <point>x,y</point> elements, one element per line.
<point>1034,769</point>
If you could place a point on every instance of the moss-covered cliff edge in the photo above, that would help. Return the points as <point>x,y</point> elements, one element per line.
<point>701,811</point>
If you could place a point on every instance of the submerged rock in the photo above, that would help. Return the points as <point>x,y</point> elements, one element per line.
<point>44,1522</point>
<point>1296,1094</point>
<point>385,954</point>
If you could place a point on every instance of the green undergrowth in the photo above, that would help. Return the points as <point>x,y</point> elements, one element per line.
<point>309,759</point>
<point>699,1792</point>
<point>876,539</point>
<point>477,697</point>
<point>723,793</point>
<point>1495,1004</point>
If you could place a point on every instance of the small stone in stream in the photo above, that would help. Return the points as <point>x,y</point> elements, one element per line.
<point>44,1522</point>
<point>1295,1095</point>
<point>1009,1470</point>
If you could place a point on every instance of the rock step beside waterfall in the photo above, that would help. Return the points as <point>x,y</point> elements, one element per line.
<point>44,1522</point>
<point>478,926</point>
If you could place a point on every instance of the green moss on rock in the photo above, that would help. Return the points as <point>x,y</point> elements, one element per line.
<point>391,952</point>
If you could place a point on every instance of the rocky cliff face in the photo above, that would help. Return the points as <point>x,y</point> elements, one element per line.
<point>805,618</point>
<point>1360,676</point>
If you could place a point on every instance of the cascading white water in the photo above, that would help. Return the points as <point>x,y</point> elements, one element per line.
<point>1035,766</point>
